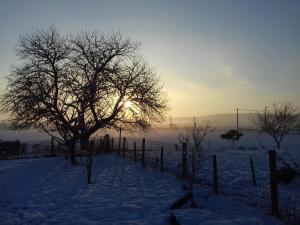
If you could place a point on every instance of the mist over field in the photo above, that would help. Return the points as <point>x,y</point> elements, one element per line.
<point>219,121</point>
<point>167,132</point>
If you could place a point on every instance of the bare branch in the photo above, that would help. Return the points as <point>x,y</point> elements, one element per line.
<point>76,84</point>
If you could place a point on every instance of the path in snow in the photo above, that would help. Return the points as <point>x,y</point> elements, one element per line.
<point>48,191</point>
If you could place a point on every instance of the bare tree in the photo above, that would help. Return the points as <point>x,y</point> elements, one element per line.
<point>77,84</point>
<point>280,121</point>
<point>194,135</point>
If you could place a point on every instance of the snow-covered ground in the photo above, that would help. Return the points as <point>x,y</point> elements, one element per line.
<point>50,191</point>
<point>235,178</point>
<point>216,210</point>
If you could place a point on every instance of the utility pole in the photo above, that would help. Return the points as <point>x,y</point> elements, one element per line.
<point>266,113</point>
<point>237,124</point>
<point>237,119</point>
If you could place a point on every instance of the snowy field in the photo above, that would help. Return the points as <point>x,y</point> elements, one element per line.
<point>234,171</point>
<point>50,191</point>
<point>215,210</point>
<point>235,178</point>
<point>235,175</point>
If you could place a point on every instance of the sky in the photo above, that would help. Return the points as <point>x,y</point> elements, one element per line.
<point>212,56</point>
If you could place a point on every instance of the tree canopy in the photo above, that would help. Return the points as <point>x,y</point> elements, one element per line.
<point>78,83</point>
<point>233,135</point>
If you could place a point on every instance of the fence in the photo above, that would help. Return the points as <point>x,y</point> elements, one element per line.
<point>251,175</point>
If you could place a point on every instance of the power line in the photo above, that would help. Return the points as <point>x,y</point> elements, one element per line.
<point>250,110</point>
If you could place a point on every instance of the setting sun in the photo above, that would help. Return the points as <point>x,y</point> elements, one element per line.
<point>128,104</point>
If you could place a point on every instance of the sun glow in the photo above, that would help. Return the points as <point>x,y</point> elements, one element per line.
<point>128,104</point>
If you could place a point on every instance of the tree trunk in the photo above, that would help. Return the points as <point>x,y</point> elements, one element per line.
<point>84,143</point>
<point>85,146</point>
<point>72,153</point>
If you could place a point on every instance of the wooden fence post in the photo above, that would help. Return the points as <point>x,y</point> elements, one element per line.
<point>184,160</point>
<point>143,153</point>
<point>52,146</point>
<point>124,145</point>
<point>120,135</point>
<point>101,143</point>
<point>253,172</point>
<point>89,163</point>
<point>162,159</point>
<point>112,145</point>
<point>59,147</point>
<point>107,144</point>
<point>134,151</point>
<point>273,183</point>
<point>215,168</point>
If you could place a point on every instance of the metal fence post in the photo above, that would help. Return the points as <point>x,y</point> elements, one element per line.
<point>273,182</point>
<point>120,136</point>
<point>253,172</point>
<point>112,144</point>
<point>52,146</point>
<point>161,159</point>
<point>184,160</point>
<point>134,151</point>
<point>124,145</point>
<point>215,169</point>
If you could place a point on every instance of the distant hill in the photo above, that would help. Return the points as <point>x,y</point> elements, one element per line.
<point>223,121</point>
<point>4,125</point>
<point>217,120</point>
<point>25,135</point>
